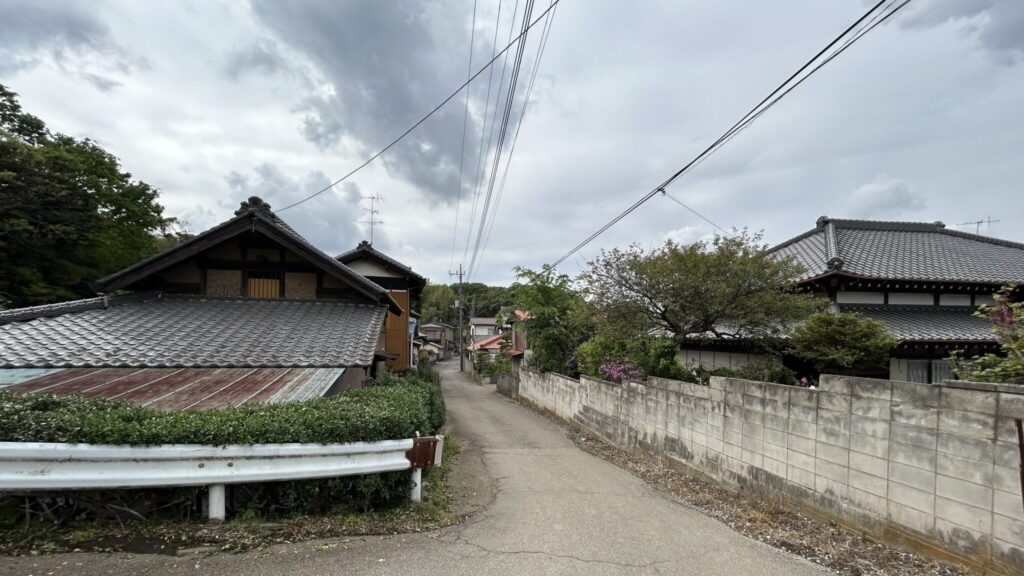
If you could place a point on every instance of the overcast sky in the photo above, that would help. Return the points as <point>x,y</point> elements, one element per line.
<point>212,102</point>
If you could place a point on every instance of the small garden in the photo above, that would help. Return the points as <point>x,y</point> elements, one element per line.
<point>393,407</point>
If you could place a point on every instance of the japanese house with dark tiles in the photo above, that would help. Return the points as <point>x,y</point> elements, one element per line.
<point>247,311</point>
<point>923,281</point>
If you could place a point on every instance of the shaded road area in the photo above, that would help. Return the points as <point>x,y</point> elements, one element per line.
<point>542,506</point>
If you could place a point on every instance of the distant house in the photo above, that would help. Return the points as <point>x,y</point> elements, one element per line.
<point>441,336</point>
<point>922,280</point>
<point>247,311</point>
<point>482,327</point>
<point>404,286</point>
<point>492,345</point>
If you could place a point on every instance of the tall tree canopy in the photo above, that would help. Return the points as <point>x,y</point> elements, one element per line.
<point>68,213</point>
<point>558,318</point>
<point>729,287</point>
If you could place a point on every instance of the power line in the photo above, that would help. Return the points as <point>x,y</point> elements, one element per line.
<point>424,118</point>
<point>698,214</point>
<point>545,32</point>
<point>506,115</point>
<point>462,147</point>
<point>755,112</point>
<point>483,127</point>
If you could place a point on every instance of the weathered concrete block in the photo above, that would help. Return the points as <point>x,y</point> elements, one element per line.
<point>870,388</point>
<point>800,476</point>
<point>803,413</point>
<point>924,395</point>
<point>835,454</point>
<point>911,497</point>
<point>976,519</point>
<point>734,397</point>
<point>753,388</point>
<point>803,397</point>
<point>963,491</point>
<point>802,444</point>
<point>968,400</point>
<point>1007,480</point>
<point>923,416</point>
<point>732,450</point>
<point>832,471</point>
<point>863,426</point>
<point>1008,505</point>
<point>777,437</point>
<point>910,517</point>
<point>753,417</point>
<point>799,459</point>
<point>869,502</point>
<point>735,424</point>
<point>967,423</point>
<point>833,401</point>
<point>1011,405</point>
<point>826,486</point>
<point>774,451</point>
<point>869,464</point>
<point>918,478</point>
<point>776,422</point>
<point>776,467</point>
<point>752,457</point>
<point>776,407</point>
<point>755,403</point>
<point>718,383</point>
<point>967,447</point>
<point>833,383</point>
<point>914,435</point>
<point>870,445</point>
<point>777,392</point>
<point>753,430</point>
<point>1006,430</point>
<point>964,469</point>
<point>870,407</point>
<point>754,443</point>
<point>1008,529</point>
<point>804,429</point>
<point>870,483</point>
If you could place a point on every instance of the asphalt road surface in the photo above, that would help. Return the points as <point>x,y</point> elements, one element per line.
<point>539,506</point>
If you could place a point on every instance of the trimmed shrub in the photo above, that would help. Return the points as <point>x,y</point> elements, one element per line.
<point>395,407</point>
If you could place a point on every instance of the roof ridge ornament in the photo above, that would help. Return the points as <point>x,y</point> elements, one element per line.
<point>254,204</point>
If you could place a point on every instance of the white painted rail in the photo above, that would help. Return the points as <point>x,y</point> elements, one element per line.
<point>33,466</point>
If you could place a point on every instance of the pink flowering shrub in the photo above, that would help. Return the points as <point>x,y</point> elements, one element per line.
<point>619,371</point>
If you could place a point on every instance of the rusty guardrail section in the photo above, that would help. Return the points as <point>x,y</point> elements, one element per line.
<point>36,466</point>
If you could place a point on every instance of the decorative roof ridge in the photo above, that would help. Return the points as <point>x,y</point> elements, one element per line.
<point>204,297</point>
<point>905,307</point>
<point>794,240</point>
<point>72,306</point>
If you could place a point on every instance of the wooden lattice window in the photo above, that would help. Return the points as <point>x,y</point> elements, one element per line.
<point>264,285</point>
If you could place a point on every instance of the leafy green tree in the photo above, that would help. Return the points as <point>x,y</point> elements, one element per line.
<point>842,343</point>
<point>437,304</point>
<point>68,213</point>
<point>557,320</point>
<point>1007,319</point>
<point>730,287</point>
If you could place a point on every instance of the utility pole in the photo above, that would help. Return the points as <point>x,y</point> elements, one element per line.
<point>373,212</point>
<point>462,349</point>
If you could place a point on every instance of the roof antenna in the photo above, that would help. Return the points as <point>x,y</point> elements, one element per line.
<point>374,211</point>
<point>977,224</point>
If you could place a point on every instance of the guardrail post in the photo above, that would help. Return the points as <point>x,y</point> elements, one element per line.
<point>417,486</point>
<point>217,512</point>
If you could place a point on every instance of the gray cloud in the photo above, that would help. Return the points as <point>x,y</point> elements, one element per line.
<point>885,199</point>
<point>997,26</point>
<point>330,225</point>
<point>260,57</point>
<point>63,34</point>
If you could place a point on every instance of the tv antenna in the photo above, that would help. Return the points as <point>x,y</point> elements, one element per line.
<point>977,224</point>
<point>374,211</point>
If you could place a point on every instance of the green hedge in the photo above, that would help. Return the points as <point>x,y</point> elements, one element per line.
<point>392,408</point>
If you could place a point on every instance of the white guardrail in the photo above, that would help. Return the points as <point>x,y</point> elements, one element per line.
<point>33,466</point>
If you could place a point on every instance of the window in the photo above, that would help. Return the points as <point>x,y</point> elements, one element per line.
<point>942,370</point>
<point>263,285</point>
<point>917,371</point>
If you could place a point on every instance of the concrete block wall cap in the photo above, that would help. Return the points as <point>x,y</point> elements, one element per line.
<point>834,383</point>
<point>1016,389</point>
<point>963,384</point>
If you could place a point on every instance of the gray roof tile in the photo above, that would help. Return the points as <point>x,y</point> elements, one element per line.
<point>180,331</point>
<point>928,323</point>
<point>904,251</point>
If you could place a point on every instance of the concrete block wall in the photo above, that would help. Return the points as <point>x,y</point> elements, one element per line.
<point>934,466</point>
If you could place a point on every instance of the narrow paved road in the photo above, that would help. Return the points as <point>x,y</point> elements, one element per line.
<point>545,507</point>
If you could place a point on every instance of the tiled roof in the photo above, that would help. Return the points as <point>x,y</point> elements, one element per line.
<point>366,250</point>
<point>491,342</point>
<point>927,323</point>
<point>179,388</point>
<point>483,321</point>
<point>184,331</point>
<point>904,251</point>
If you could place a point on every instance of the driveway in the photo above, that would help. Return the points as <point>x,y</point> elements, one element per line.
<point>542,506</point>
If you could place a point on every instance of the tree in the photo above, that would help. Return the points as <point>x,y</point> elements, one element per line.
<point>68,213</point>
<point>1007,319</point>
<point>437,304</point>
<point>730,287</point>
<point>842,343</point>
<point>556,321</point>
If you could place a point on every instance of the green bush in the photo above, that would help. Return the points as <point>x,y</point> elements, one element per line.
<point>394,407</point>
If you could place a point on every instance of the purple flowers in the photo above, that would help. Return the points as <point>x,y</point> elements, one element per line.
<point>619,371</point>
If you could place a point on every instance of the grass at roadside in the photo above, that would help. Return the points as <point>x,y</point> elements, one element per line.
<point>241,534</point>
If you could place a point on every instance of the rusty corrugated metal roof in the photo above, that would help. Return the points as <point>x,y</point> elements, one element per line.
<point>184,388</point>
